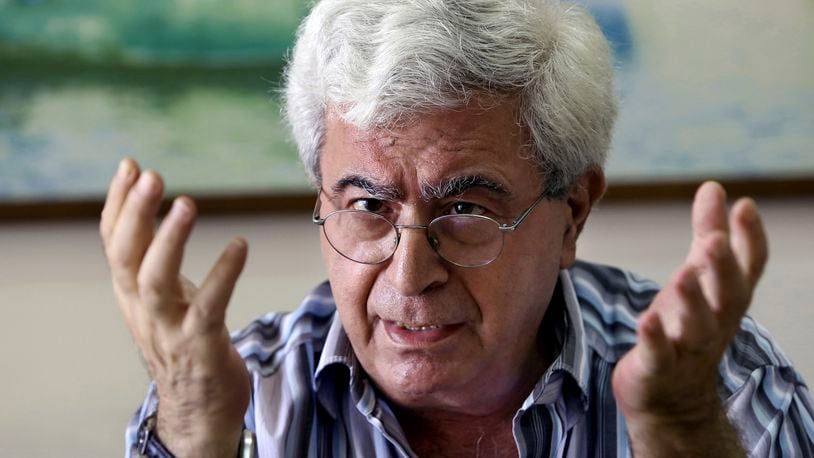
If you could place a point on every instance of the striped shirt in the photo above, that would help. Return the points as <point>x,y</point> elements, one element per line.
<point>311,397</point>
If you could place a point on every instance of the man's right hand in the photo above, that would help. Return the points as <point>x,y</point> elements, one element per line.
<point>202,382</point>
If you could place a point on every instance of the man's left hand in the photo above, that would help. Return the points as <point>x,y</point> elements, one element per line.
<point>666,385</point>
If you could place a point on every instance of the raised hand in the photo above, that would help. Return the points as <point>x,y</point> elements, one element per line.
<point>201,380</point>
<point>666,385</point>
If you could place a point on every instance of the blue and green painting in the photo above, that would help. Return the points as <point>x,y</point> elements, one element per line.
<point>186,87</point>
<point>189,87</point>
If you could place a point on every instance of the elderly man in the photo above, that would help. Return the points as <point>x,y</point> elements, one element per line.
<point>457,147</point>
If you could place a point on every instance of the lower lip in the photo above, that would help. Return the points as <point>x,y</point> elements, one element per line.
<point>418,338</point>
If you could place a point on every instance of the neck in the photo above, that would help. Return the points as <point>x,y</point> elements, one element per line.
<point>440,434</point>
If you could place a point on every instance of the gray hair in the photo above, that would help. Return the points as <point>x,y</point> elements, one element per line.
<point>379,63</point>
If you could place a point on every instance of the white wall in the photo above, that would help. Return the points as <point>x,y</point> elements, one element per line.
<point>71,376</point>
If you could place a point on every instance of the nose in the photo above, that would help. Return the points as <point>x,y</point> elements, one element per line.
<point>415,266</point>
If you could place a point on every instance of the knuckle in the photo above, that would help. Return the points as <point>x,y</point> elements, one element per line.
<point>119,258</point>
<point>151,286</point>
<point>716,247</point>
<point>123,277</point>
<point>686,283</point>
<point>687,291</point>
<point>123,287</point>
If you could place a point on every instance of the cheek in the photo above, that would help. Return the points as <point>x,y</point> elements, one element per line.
<point>510,294</point>
<point>351,284</point>
<point>514,292</point>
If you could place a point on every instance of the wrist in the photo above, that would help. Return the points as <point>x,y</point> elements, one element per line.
<point>706,433</point>
<point>149,444</point>
<point>185,437</point>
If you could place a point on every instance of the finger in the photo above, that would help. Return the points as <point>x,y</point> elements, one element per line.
<point>688,321</point>
<point>158,276</point>
<point>709,210</point>
<point>209,306</point>
<point>119,187</point>
<point>712,255</point>
<point>133,230</point>
<point>749,241</point>
<point>655,352</point>
<point>722,281</point>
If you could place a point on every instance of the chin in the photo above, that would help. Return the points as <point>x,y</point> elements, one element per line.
<point>416,381</point>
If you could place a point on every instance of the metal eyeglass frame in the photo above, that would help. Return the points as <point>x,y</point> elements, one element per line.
<point>504,228</point>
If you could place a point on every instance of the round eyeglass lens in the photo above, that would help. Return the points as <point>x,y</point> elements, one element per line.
<point>360,236</point>
<point>466,240</point>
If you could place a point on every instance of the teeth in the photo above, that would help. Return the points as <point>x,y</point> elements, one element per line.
<point>417,328</point>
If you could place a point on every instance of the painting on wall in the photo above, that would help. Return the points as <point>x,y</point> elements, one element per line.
<point>188,88</point>
<point>719,89</point>
<point>708,89</point>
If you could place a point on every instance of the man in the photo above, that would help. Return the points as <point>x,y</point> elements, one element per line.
<point>457,148</point>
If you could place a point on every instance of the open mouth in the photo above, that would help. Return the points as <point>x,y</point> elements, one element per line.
<point>419,335</point>
<point>428,327</point>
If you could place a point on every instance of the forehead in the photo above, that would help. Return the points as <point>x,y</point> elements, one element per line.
<point>434,148</point>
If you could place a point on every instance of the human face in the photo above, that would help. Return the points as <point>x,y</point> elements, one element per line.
<point>432,335</point>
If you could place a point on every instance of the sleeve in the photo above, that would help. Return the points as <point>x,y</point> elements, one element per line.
<point>768,402</point>
<point>137,425</point>
<point>773,413</point>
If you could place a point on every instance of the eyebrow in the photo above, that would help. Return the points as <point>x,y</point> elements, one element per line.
<point>372,187</point>
<point>458,185</point>
<point>447,188</point>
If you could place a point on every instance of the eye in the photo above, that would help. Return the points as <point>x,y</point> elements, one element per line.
<point>368,205</point>
<point>466,208</point>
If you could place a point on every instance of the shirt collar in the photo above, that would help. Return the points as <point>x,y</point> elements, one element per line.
<point>573,355</point>
<point>338,368</point>
<point>337,348</point>
<point>571,361</point>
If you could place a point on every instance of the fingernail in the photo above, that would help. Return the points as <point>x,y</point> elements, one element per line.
<point>146,184</point>
<point>180,209</point>
<point>124,168</point>
<point>751,211</point>
<point>238,244</point>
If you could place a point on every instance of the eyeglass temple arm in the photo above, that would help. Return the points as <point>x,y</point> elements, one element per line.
<point>523,216</point>
<point>317,207</point>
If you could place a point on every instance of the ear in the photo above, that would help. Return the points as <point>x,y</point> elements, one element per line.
<point>582,196</point>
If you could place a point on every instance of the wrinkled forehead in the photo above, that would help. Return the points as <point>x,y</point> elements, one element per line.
<point>435,152</point>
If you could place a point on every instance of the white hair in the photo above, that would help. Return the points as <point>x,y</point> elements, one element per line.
<point>379,63</point>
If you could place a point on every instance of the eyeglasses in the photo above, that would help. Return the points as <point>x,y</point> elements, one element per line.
<point>370,238</point>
